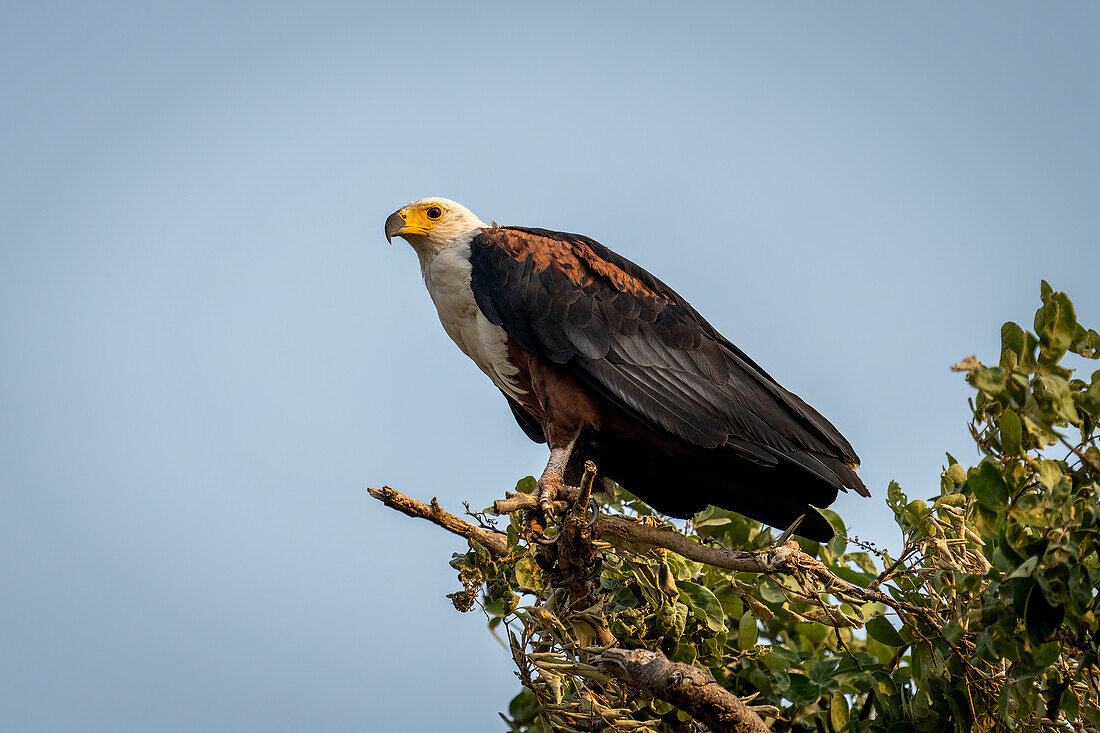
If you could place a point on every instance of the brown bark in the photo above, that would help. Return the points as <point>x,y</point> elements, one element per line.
<point>628,530</point>
<point>515,502</point>
<point>495,542</point>
<point>691,689</point>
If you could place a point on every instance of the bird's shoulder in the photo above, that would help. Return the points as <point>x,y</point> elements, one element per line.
<point>580,260</point>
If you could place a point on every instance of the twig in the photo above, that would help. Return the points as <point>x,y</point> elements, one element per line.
<point>1085,459</point>
<point>886,574</point>
<point>495,542</point>
<point>482,521</point>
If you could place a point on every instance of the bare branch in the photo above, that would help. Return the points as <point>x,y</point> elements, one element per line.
<point>495,542</point>
<point>515,502</point>
<point>691,689</point>
<point>625,529</point>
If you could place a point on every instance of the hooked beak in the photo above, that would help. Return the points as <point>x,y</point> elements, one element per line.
<point>395,225</point>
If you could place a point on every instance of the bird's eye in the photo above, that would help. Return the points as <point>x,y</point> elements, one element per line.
<point>435,212</point>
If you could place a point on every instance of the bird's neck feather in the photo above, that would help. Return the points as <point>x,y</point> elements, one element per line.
<point>427,248</point>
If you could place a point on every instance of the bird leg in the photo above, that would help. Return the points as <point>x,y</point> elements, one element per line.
<point>550,484</point>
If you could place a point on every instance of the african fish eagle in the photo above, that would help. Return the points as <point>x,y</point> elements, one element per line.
<point>601,360</point>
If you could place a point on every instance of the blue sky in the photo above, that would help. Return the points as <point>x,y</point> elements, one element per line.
<point>209,351</point>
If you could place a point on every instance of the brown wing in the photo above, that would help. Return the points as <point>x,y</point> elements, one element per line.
<point>635,341</point>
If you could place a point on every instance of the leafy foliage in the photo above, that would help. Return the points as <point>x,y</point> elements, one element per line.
<point>988,621</point>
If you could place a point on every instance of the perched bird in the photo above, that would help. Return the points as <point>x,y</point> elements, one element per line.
<point>601,360</point>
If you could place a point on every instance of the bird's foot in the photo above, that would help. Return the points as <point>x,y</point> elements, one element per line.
<point>549,488</point>
<point>546,492</point>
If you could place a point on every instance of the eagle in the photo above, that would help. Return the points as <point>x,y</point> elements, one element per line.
<point>602,361</point>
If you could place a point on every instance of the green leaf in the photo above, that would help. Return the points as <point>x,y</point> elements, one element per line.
<point>1047,654</point>
<point>682,568</point>
<point>1003,707</point>
<point>1013,339</point>
<point>863,561</point>
<point>989,379</point>
<point>1070,705</point>
<point>746,632</point>
<point>671,619</point>
<point>802,691</point>
<point>988,487</point>
<point>953,631</point>
<point>895,497</point>
<point>704,605</point>
<point>838,712</point>
<point>823,673</point>
<point>886,694</point>
<point>1055,324</point>
<point>526,485</point>
<point>1011,432</point>
<point>882,631</point>
<point>711,517</point>
<point>1050,473</point>
<point>1086,342</point>
<point>834,520</point>
<point>528,576</point>
<point>1024,569</point>
<point>1053,393</point>
<point>787,657</point>
<point>916,512</point>
<point>770,590</point>
<point>523,706</point>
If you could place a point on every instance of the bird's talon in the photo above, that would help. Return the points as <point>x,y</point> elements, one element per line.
<point>550,486</point>
<point>547,541</point>
<point>595,513</point>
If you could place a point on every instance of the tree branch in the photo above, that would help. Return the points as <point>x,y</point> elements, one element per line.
<point>786,558</point>
<point>495,542</point>
<point>623,528</point>
<point>627,530</point>
<point>515,502</point>
<point>691,689</point>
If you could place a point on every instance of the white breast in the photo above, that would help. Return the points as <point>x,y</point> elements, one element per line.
<point>447,276</point>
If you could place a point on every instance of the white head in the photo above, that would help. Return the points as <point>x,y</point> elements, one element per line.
<point>433,224</point>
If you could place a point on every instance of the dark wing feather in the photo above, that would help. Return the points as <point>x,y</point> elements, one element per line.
<point>635,341</point>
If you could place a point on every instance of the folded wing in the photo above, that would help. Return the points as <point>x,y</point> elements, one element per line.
<point>633,340</point>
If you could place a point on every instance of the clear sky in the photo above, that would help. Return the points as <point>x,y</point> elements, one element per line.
<point>209,351</point>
